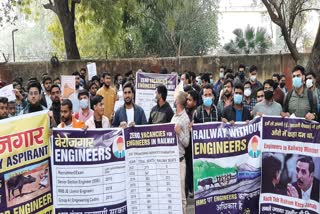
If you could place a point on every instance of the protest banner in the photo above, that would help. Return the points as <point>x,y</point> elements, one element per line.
<point>152,170</point>
<point>290,166</point>
<point>92,70</point>
<point>89,171</point>
<point>25,172</point>
<point>68,87</point>
<point>146,84</point>
<point>226,167</point>
<point>7,92</point>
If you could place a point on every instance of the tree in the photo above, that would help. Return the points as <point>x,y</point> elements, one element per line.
<point>288,14</point>
<point>65,10</point>
<point>248,42</point>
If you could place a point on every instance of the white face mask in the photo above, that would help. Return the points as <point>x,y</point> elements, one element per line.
<point>253,77</point>
<point>247,92</point>
<point>309,83</point>
<point>221,75</point>
<point>84,103</point>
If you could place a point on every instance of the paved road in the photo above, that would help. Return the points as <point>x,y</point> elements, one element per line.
<point>190,207</point>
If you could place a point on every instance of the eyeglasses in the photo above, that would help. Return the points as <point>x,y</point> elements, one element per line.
<point>35,93</point>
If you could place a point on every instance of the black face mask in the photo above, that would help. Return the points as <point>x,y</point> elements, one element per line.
<point>282,84</point>
<point>276,85</point>
<point>82,77</point>
<point>268,95</point>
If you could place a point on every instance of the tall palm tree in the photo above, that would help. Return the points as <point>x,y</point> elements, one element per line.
<point>249,42</point>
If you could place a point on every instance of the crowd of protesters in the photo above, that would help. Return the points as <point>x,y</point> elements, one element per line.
<point>235,96</point>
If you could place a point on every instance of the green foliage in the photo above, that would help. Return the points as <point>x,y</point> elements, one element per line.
<point>249,42</point>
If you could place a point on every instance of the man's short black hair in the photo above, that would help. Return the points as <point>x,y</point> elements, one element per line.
<point>67,102</point>
<point>194,94</point>
<point>222,66</point>
<point>192,75</point>
<point>227,82</point>
<point>253,68</point>
<point>116,77</point>
<point>242,66</point>
<point>3,100</point>
<point>162,90</point>
<point>76,73</point>
<point>299,68</point>
<point>54,86</point>
<point>229,76</point>
<point>46,78</point>
<point>92,84</point>
<point>277,76</point>
<point>228,71</point>
<point>57,78</point>
<point>271,83</point>
<point>205,77</point>
<point>83,92</point>
<point>128,85</point>
<point>95,77</point>
<point>208,86</point>
<point>16,84</point>
<point>95,100</point>
<point>106,73</point>
<point>187,88</point>
<point>259,89</point>
<point>34,84</point>
<point>83,69</point>
<point>239,86</point>
<point>248,82</point>
<point>309,160</point>
<point>312,74</point>
<point>282,75</point>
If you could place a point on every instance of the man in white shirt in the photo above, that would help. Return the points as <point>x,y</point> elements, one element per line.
<point>307,186</point>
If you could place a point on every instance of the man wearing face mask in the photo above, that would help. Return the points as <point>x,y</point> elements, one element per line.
<point>219,83</point>
<point>300,101</point>
<point>85,112</point>
<point>207,112</point>
<point>248,101</point>
<point>278,94</point>
<point>162,112</point>
<point>241,78</point>
<point>311,80</point>
<point>268,106</point>
<point>255,83</point>
<point>236,112</point>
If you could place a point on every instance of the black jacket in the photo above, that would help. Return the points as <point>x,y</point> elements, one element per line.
<point>229,113</point>
<point>314,191</point>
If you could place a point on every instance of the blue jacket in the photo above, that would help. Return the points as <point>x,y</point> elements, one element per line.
<point>121,115</point>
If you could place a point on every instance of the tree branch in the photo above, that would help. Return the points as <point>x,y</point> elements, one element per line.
<point>50,6</point>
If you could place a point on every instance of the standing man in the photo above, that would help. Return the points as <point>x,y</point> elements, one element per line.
<point>227,96</point>
<point>93,88</point>
<point>75,101</point>
<point>241,77</point>
<point>268,106</point>
<point>249,102</point>
<point>46,98</point>
<point>194,83</point>
<point>236,112</point>
<point>300,101</point>
<point>311,80</point>
<point>282,83</point>
<point>55,93</point>
<point>34,99</point>
<point>98,120</point>
<point>162,112</point>
<point>181,121</point>
<point>3,108</point>
<point>109,95</point>
<point>67,120</point>
<point>260,95</point>
<point>129,114</point>
<point>185,78</point>
<point>255,83</point>
<point>219,82</point>
<point>207,112</point>
<point>85,112</point>
<point>21,103</point>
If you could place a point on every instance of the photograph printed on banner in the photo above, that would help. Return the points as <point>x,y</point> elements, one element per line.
<point>27,183</point>
<point>291,175</point>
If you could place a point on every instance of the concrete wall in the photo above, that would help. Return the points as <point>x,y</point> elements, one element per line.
<point>267,65</point>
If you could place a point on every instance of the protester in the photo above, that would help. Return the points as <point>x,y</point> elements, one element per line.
<point>97,120</point>
<point>34,99</point>
<point>162,111</point>
<point>55,94</point>
<point>241,78</point>
<point>11,109</point>
<point>129,114</point>
<point>185,79</point>
<point>227,96</point>
<point>255,83</point>
<point>249,101</point>
<point>83,74</point>
<point>260,95</point>
<point>268,106</point>
<point>57,81</point>
<point>300,101</point>
<point>118,80</point>
<point>207,112</point>
<point>282,84</point>
<point>85,112</point>
<point>21,103</point>
<point>3,108</point>
<point>194,83</point>
<point>219,82</point>
<point>75,101</point>
<point>67,120</point>
<point>236,112</point>
<point>311,80</point>
<point>191,106</point>
<point>96,80</point>
<point>109,95</point>
<point>93,88</point>
<point>46,99</point>
<point>181,121</point>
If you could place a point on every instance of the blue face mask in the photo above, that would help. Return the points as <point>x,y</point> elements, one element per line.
<point>297,82</point>
<point>211,81</point>
<point>241,75</point>
<point>237,98</point>
<point>207,101</point>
